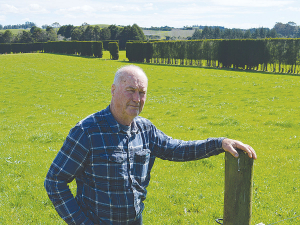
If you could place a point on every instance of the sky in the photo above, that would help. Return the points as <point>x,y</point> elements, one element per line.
<point>243,14</point>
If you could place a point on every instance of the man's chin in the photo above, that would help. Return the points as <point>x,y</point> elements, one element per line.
<point>134,112</point>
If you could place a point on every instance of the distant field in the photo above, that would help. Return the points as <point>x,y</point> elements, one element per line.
<point>44,95</point>
<point>174,33</point>
<point>14,31</point>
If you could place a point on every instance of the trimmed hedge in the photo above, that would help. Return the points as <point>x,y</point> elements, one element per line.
<point>113,48</point>
<point>85,48</point>
<point>243,54</point>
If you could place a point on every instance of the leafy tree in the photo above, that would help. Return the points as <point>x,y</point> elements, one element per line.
<point>88,33</point>
<point>66,30</point>
<point>105,34</point>
<point>255,35</point>
<point>247,34</point>
<point>55,25</point>
<point>271,33</point>
<point>7,36</point>
<point>38,35</point>
<point>216,33</point>
<point>197,34</point>
<point>24,37</point>
<point>207,33</point>
<point>77,34</point>
<point>51,34</point>
<point>137,33</point>
<point>97,32</point>
<point>262,33</point>
<point>114,32</point>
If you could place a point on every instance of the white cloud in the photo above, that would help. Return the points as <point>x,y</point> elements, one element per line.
<point>293,9</point>
<point>35,8</point>
<point>252,3</point>
<point>2,18</point>
<point>9,9</point>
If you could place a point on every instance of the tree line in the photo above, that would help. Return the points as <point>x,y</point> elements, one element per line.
<point>280,30</point>
<point>276,55</point>
<point>35,34</point>
<point>95,33</point>
<point>84,32</point>
<point>18,26</point>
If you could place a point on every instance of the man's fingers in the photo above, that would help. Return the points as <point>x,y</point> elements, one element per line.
<point>230,146</point>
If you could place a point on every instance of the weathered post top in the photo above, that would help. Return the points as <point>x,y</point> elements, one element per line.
<point>238,189</point>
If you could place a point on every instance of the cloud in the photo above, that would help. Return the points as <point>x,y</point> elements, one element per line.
<point>2,18</point>
<point>252,3</point>
<point>293,9</point>
<point>9,9</point>
<point>32,8</point>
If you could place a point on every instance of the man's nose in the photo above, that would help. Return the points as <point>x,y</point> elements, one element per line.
<point>136,97</point>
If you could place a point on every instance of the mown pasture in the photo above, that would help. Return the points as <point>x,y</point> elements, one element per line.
<point>44,95</point>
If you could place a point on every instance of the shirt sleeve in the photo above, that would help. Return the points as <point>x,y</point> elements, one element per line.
<point>68,163</point>
<point>171,149</point>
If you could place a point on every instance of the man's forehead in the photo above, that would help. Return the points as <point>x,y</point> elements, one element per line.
<point>136,79</point>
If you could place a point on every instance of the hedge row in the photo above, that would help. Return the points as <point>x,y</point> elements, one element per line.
<point>245,54</point>
<point>85,48</point>
<point>113,48</point>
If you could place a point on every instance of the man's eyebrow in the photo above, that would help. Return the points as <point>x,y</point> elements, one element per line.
<point>130,87</point>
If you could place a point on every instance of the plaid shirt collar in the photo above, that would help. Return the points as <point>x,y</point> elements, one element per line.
<point>114,125</point>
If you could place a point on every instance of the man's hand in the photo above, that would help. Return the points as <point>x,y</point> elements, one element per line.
<point>230,145</point>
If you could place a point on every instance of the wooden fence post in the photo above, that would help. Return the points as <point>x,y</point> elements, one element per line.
<point>238,189</point>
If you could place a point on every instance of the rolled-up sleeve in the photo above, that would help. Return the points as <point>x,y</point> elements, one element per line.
<point>68,163</point>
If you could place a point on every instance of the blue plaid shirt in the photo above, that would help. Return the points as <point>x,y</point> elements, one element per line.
<point>112,168</point>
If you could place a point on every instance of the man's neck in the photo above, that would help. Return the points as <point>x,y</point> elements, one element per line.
<point>120,119</point>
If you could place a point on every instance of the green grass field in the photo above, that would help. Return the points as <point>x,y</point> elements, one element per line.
<point>44,95</point>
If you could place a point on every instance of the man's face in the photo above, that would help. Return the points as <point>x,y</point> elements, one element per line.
<point>129,96</point>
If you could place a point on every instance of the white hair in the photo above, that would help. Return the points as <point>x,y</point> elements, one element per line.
<point>125,70</point>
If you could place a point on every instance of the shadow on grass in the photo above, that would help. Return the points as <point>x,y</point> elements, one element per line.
<point>184,66</point>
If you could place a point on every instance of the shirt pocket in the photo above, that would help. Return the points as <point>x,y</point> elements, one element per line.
<point>141,161</point>
<point>110,166</point>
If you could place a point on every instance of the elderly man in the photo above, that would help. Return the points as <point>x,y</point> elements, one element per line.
<point>111,153</point>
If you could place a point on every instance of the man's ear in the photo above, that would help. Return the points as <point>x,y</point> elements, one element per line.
<point>113,88</point>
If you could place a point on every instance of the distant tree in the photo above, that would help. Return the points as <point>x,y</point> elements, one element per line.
<point>7,37</point>
<point>55,25</point>
<point>105,34</point>
<point>51,34</point>
<point>97,32</point>
<point>227,34</point>
<point>114,32</point>
<point>271,33</point>
<point>285,30</point>
<point>24,37</point>
<point>62,30</point>
<point>45,26</point>
<point>297,35</point>
<point>89,33</point>
<point>207,33</point>
<point>1,27</point>
<point>137,33</point>
<point>38,35</point>
<point>255,35</point>
<point>77,34</point>
<point>216,33</point>
<point>262,32</point>
<point>197,34</point>
<point>247,34</point>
